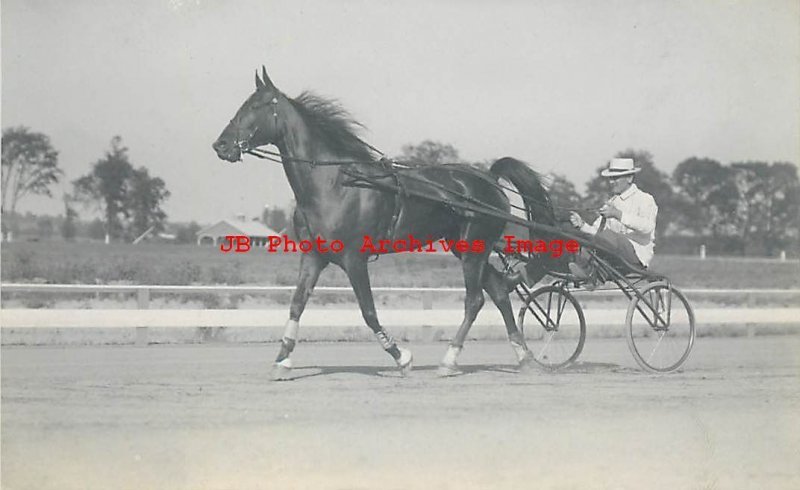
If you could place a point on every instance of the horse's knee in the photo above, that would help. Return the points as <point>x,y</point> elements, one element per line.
<point>496,287</point>
<point>501,299</point>
<point>475,301</point>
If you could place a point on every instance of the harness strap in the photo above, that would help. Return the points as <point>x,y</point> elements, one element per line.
<point>394,166</point>
<point>399,202</point>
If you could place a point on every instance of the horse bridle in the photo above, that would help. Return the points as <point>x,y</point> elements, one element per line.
<point>244,144</point>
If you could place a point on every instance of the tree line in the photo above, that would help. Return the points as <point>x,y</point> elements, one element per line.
<point>128,198</point>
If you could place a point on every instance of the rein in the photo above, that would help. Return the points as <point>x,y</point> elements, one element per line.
<point>389,164</point>
<point>276,157</point>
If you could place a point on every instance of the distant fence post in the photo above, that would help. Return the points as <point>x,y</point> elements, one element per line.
<point>783,255</point>
<point>702,252</point>
<point>427,301</point>
<point>143,302</point>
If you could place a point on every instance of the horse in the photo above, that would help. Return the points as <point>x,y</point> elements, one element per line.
<point>310,131</point>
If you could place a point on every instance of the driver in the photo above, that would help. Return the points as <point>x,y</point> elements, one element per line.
<point>626,224</point>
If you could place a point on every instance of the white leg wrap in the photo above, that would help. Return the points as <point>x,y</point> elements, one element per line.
<point>451,355</point>
<point>519,350</point>
<point>287,363</point>
<point>292,327</point>
<point>405,358</point>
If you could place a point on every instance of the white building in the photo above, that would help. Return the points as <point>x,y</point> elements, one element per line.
<point>216,233</point>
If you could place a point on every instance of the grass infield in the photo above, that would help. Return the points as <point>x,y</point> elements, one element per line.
<point>95,263</point>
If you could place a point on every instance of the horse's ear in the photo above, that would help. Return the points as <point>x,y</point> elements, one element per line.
<point>267,82</point>
<point>259,83</point>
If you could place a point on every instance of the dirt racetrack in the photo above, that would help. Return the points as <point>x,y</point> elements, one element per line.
<point>206,416</point>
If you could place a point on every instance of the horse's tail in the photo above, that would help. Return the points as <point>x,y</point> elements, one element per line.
<point>538,206</point>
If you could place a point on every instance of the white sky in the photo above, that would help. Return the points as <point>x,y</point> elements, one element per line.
<point>561,84</point>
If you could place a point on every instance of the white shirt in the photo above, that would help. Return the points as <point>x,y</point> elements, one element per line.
<point>638,221</point>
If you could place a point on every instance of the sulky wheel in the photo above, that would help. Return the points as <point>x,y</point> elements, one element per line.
<point>555,329</point>
<point>660,326</point>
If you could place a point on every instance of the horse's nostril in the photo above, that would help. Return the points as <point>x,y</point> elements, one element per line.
<point>219,145</point>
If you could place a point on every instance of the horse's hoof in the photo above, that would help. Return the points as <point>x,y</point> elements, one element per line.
<point>527,364</point>
<point>447,370</point>
<point>526,358</point>
<point>282,371</point>
<point>405,362</point>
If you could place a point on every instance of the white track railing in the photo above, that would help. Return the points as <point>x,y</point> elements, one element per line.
<point>143,317</point>
<point>143,292</point>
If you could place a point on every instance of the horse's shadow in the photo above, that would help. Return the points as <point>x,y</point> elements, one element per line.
<point>390,372</point>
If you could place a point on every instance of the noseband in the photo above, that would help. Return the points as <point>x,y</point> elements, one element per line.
<point>243,144</point>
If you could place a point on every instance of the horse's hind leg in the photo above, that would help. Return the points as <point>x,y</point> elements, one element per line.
<point>473,266</point>
<point>356,268</point>
<point>494,284</point>
<point>311,265</point>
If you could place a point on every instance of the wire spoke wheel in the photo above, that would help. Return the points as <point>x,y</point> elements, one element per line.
<point>555,329</point>
<point>660,325</point>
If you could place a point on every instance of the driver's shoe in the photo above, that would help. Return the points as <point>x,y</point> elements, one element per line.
<point>515,278</point>
<point>590,276</point>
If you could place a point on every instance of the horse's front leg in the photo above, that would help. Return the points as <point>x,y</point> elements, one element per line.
<point>311,265</point>
<point>356,268</point>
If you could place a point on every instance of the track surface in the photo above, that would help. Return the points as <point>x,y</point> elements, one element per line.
<point>207,417</point>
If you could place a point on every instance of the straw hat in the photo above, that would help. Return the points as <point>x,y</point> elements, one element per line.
<point>618,167</point>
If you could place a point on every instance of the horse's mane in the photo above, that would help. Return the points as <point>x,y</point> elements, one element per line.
<point>334,125</point>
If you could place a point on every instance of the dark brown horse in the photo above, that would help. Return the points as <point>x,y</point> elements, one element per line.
<point>310,129</point>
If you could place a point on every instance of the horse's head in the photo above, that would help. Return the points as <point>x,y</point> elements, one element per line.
<point>254,124</point>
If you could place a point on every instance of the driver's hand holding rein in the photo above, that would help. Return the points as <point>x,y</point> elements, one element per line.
<point>575,219</point>
<point>611,211</point>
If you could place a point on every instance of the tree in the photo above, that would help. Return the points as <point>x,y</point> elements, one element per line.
<point>130,199</point>
<point>187,233</point>
<point>143,202</point>
<point>107,186</point>
<point>768,204</point>
<point>784,206</point>
<point>751,213</point>
<point>29,165</point>
<point>706,196</point>
<point>44,227</point>
<point>275,218</point>
<point>429,153</point>
<point>649,179</point>
<point>96,229</point>
<point>69,227</point>
<point>563,196</point>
